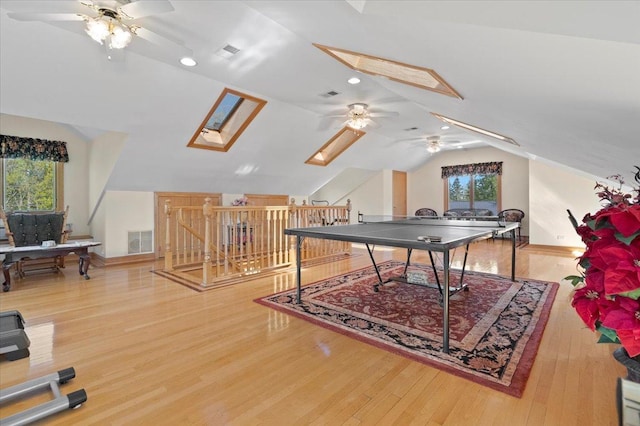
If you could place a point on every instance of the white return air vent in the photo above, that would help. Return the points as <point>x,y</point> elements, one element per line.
<point>140,242</point>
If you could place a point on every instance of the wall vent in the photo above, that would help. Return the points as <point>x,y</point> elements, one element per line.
<point>140,242</point>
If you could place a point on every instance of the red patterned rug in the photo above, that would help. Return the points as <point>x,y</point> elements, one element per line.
<point>495,327</point>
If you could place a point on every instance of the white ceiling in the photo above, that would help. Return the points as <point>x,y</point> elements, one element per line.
<point>562,78</point>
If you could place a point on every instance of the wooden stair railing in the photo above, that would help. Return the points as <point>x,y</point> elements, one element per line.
<point>234,241</point>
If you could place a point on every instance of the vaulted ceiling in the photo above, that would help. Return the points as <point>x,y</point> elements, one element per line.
<point>561,78</point>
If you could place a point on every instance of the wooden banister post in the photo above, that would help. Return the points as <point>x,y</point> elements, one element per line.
<point>168,255</point>
<point>207,210</point>
<point>349,210</point>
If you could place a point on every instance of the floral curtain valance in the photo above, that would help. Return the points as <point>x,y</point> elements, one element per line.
<point>493,168</point>
<point>34,149</point>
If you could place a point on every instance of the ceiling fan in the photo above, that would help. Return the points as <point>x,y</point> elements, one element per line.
<point>108,22</point>
<point>435,143</point>
<point>359,115</point>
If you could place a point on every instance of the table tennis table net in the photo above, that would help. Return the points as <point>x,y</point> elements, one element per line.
<point>432,221</point>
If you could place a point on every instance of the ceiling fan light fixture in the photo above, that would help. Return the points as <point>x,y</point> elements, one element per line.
<point>433,144</point>
<point>357,116</point>
<point>97,29</point>
<point>433,148</point>
<point>108,26</point>
<point>120,37</point>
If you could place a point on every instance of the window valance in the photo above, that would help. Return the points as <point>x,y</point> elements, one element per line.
<point>492,168</point>
<point>34,149</point>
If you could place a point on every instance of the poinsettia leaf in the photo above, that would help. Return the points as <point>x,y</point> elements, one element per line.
<point>585,263</point>
<point>607,335</point>
<point>634,294</point>
<point>591,224</point>
<point>626,240</point>
<point>574,279</point>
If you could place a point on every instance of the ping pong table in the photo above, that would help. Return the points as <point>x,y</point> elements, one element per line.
<point>421,233</point>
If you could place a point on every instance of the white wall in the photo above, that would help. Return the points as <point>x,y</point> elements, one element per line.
<point>105,150</point>
<point>368,198</point>
<point>76,187</point>
<point>425,187</point>
<point>345,182</point>
<point>553,191</point>
<point>126,211</point>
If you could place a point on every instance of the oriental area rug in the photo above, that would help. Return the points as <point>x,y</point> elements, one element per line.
<point>495,327</point>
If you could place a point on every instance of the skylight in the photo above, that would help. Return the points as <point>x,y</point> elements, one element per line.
<point>335,146</point>
<point>228,118</point>
<point>423,78</point>
<point>475,129</point>
<point>223,112</point>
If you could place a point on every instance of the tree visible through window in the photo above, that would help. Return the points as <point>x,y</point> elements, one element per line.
<point>473,192</point>
<point>28,185</point>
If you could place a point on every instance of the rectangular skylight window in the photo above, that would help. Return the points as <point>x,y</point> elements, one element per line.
<point>423,78</point>
<point>227,119</point>
<point>475,129</point>
<point>335,146</point>
<point>225,109</point>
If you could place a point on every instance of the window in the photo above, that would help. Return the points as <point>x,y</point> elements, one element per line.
<point>473,186</point>
<point>421,77</point>
<point>228,118</point>
<point>335,146</point>
<point>473,128</point>
<point>31,173</point>
<point>473,192</point>
<point>31,185</point>
<point>223,112</point>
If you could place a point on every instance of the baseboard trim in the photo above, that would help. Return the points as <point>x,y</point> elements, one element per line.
<point>100,261</point>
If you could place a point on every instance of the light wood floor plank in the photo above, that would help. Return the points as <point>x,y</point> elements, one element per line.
<point>150,351</point>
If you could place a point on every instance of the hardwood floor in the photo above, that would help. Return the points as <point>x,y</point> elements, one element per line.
<point>150,351</point>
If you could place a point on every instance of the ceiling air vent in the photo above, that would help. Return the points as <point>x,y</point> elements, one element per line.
<point>330,94</point>
<point>228,51</point>
<point>410,129</point>
<point>231,49</point>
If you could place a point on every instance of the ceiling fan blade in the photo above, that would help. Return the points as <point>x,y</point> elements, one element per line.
<point>458,143</point>
<point>384,114</point>
<point>163,42</point>
<point>141,8</point>
<point>411,140</point>
<point>372,124</point>
<point>44,17</point>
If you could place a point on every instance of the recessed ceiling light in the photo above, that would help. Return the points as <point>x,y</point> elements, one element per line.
<point>353,80</point>
<point>444,128</point>
<point>188,62</point>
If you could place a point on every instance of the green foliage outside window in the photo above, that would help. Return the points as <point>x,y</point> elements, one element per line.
<point>29,185</point>
<point>458,192</point>
<point>473,191</point>
<point>485,187</point>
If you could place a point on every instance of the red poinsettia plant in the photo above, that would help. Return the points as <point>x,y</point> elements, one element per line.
<point>607,291</point>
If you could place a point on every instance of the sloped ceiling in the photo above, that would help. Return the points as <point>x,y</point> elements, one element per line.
<point>561,78</point>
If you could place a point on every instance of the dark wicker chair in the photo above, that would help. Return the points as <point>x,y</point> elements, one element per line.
<point>425,211</point>
<point>511,215</point>
<point>32,229</point>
